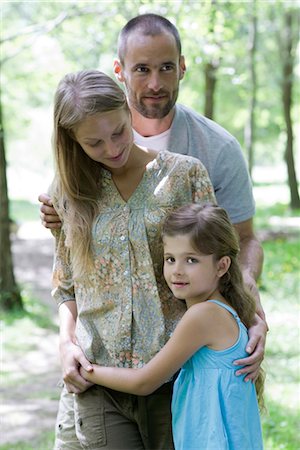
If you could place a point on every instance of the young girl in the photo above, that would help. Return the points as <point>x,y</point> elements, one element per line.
<point>211,407</point>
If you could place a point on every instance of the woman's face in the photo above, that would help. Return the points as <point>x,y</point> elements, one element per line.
<point>106,137</point>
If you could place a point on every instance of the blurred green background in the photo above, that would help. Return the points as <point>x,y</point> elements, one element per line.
<point>243,47</point>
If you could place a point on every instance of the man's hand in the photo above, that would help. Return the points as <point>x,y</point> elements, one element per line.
<point>256,348</point>
<point>72,358</point>
<point>48,214</point>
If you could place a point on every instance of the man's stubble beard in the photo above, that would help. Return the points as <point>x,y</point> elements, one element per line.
<point>154,111</point>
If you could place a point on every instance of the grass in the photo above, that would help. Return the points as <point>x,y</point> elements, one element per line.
<point>279,287</point>
<point>44,442</point>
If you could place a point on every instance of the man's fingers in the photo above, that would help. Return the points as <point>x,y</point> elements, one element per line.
<point>49,218</point>
<point>44,198</point>
<point>255,358</point>
<point>49,210</point>
<point>52,225</point>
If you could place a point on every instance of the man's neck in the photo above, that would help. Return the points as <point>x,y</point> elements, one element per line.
<point>151,127</point>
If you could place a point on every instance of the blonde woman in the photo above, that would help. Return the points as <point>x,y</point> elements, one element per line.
<point>114,305</point>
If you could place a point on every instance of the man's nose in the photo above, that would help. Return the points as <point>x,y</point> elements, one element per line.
<point>154,82</point>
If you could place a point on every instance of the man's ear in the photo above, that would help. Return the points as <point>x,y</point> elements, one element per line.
<point>223,265</point>
<point>182,67</point>
<point>118,71</point>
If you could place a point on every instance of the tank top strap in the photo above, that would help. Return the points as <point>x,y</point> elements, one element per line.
<point>229,309</point>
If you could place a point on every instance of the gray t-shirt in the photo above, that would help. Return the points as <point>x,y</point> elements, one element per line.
<point>195,135</point>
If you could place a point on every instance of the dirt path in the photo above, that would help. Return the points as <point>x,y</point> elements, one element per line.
<point>29,405</point>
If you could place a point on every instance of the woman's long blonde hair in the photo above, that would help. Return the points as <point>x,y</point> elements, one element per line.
<point>76,185</point>
<point>212,233</point>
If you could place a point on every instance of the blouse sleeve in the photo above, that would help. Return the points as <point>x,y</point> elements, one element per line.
<point>203,191</point>
<point>62,279</point>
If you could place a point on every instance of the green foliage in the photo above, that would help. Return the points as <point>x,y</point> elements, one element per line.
<point>23,211</point>
<point>280,295</point>
<point>280,427</point>
<point>34,313</point>
<point>42,41</point>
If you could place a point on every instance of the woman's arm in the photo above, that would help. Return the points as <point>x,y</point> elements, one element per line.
<point>193,331</point>
<point>71,355</point>
<point>63,293</point>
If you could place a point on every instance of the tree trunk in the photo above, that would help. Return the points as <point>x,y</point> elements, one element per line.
<point>10,296</point>
<point>211,67</point>
<point>210,87</point>
<point>250,125</point>
<point>287,88</point>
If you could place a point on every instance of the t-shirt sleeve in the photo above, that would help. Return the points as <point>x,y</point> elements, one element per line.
<point>232,183</point>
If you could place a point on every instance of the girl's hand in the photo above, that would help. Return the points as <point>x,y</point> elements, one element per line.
<point>72,359</point>
<point>255,347</point>
<point>85,373</point>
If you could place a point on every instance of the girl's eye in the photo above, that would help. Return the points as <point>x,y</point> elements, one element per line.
<point>170,259</point>
<point>192,260</point>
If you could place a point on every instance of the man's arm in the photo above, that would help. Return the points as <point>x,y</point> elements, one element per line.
<point>48,214</point>
<point>251,262</point>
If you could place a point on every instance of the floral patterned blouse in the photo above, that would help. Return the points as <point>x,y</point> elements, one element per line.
<point>126,312</point>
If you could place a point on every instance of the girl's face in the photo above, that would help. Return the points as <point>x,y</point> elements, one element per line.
<point>189,274</point>
<point>106,138</point>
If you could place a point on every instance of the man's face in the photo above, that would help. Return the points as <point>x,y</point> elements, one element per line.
<point>151,72</point>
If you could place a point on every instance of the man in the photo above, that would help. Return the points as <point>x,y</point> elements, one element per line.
<point>151,65</point>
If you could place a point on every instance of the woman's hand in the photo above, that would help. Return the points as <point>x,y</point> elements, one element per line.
<point>72,359</point>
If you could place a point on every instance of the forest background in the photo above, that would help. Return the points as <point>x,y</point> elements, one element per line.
<point>242,71</point>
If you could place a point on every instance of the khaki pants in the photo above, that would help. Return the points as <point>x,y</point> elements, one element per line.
<point>101,418</point>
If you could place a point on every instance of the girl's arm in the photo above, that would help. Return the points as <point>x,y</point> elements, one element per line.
<point>193,331</point>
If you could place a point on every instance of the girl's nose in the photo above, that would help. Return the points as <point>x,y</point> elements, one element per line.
<point>178,269</point>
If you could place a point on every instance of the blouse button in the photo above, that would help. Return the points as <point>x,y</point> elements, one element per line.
<point>122,238</point>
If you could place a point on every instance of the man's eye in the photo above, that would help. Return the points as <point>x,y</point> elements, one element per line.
<point>142,69</point>
<point>167,68</point>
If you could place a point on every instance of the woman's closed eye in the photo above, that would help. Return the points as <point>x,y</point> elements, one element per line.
<point>96,144</point>
<point>119,133</point>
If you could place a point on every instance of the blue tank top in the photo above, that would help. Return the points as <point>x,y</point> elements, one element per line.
<point>212,408</point>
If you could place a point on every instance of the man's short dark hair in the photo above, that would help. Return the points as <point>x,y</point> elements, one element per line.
<point>149,25</point>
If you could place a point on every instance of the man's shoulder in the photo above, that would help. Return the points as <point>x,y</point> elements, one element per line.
<point>201,123</point>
